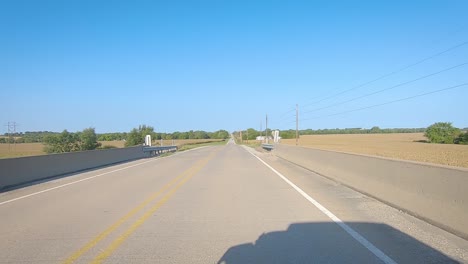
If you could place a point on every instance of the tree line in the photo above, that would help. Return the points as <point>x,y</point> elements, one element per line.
<point>69,142</point>
<point>26,137</point>
<point>39,136</point>
<point>197,134</point>
<point>137,135</point>
<point>251,134</point>
<point>440,132</point>
<point>88,139</point>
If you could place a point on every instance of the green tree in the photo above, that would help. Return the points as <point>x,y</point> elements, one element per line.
<point>200,135</point>
<point>221,134</point>
<point>375,130</point>
<point>88,139</point>
<point>137,136</point>
<point>134,138</point>
<point>69,142</point>
<point>250,134</point>
<point>105,137</point>
<point>184,135</point>
<point>191,135</point>
<point>462,139</point>
<point>63,142</point>
<point>442,132</point>
<point>285,134</point>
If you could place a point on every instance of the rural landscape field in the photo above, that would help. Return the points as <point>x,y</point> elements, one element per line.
<point>34,149</point>
<point>405,146</point>
<point>21,150</point>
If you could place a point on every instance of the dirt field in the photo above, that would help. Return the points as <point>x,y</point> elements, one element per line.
<point>34,149</point>
<point>399,146</point>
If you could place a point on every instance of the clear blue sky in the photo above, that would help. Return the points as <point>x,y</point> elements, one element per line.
<point>208,65</point>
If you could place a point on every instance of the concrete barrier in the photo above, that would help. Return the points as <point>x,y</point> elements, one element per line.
<point>436,194</point>
<point>16,171</point>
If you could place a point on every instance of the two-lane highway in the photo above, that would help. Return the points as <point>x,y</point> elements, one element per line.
<point>225,204</point>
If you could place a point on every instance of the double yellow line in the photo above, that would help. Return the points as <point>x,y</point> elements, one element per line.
<point>180,180</point>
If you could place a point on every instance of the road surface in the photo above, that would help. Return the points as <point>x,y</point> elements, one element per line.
<point>222,204</point>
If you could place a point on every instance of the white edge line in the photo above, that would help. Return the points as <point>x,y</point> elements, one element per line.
<point>92,177</point>
<point>377,252</point>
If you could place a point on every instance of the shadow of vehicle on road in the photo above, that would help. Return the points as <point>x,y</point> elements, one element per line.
<point>326,242</point>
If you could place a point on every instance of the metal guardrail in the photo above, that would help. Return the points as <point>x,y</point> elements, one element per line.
<point>268,147</point>
<point>153,151</point>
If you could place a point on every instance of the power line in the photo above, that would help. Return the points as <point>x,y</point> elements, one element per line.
<point>289,111</point>
<point>389,74</point>
<point>280,124</point>
<point>11,128</point>
<point>389,88</point>
<point>377,79</point>
<point>390,102</point>
<point>288,117</point>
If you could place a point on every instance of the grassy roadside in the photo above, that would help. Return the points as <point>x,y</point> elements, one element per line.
<point>257,145</point>
<point>252,143</point>
<point>196,145</point>
<point>248,143</point>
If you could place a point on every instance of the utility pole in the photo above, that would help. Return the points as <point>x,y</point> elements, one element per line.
<point>297,124</point>
<point>240,135</point>
<point>266,129</point>
<point>261,129</point>
<point>11,128</point>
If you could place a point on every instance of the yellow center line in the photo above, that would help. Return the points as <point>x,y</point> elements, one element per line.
<point>123,219</point>
<point>118,241</point>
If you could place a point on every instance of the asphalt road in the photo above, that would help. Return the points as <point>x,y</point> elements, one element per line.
<point>224,204</point>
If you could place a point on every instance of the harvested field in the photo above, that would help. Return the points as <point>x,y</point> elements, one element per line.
<point>21,150</point>
<point>398,146</point>
<point>35,149</point>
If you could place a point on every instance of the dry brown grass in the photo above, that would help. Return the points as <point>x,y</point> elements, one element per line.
<point>398,146</point>
<point>115,143</point>
<point>21,150</point>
